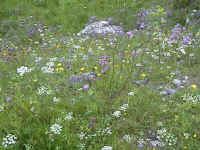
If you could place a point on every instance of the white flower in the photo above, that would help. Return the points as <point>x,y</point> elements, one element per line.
<point>127,138</point>
<point>81,135</point>
<point>22,70</point>
<point>43,90</point>
<point>1,108</point>
<point>123,107</point>
<point>47,69</point>
<point>55,99</point>
<point>9,139</point>
<point>50,64</point>
<point>56,128</point>
<point>117,114</point>
<point>131,93</point>
<point>106,148</point>
<point>106,131</point>
<point>38,59</point>
<point>68,116</point>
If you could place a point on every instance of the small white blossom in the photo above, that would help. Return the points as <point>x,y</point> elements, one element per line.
<point>127,138</point>
<point>9,139</point>
<point>56,128</point>
<point>68,116</point>
<point>55,99</point>
<point>82,135</point>
<point>123,107</point>
<point>50,64</point>
<point>106,148</point>
<point>44,90</point>
<point>117,114</point>
<point>22,70</point>
<point>47,69</point>
<point>1,108</point>
<point>131,93</point>
<point>38,59</point>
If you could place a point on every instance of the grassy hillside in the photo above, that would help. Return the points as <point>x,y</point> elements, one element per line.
<point>143,92</point>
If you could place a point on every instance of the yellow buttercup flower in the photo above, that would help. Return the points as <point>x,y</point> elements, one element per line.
<point>61,69</point>
<point>194,86</point>
<point>195,135</point>
<point>59,64</point>
<point>142,75</point>
<point>57,46</point>
<point>185,147</point>
<point>82,69</point>
<point>95,67</point>
<point>99,74</point>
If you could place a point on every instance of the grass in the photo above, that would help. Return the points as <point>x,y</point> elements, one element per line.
<point>122,108</point>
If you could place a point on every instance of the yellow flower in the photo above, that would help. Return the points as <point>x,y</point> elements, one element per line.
<point>185,147</point>
<point>95,67</point>
<point>61,68</point>
<point>194,86</point>
<point>99,74</point>
<point>57,69</point>
<point>59,64</point>
<point>82,68</point>
<point>126,52</point>
<point>176,117</point>
<point>142,75</point>
<point>57,46</point>
<point>129,46</point>
<point>4,53</point>
<point>195,135</point>
<point>34,80</point>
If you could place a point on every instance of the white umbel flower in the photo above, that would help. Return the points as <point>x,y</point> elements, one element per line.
<point>117,114</point>
<point>56,128</point>
<point>22,70</point>
<point>106,148</point>
<point>8,140</point>
<point>68,116</point>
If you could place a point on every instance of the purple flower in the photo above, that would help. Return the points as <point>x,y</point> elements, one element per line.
<point>91,124</point>
<point>85,87</point>
<point>186,39</point>
<point>67,66</point>
<point>133,53</point>
<point>105,68</point>
<point>8,99</point>
<point>129,33</point>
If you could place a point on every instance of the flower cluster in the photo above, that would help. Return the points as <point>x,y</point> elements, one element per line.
<point>187,97</point>
<point>167,138</point>
<point>68,116</point>
<point>22,70</point>
<point>44,90</point>
<point>117,113</point>
<point>8,140</point>
<point>48,68</point>
<point>103,60</point>
<point>56,129</point>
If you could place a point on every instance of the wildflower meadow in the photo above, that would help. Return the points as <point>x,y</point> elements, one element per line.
<point>63,91</point>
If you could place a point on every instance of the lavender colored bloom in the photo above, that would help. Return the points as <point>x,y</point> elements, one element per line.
<point>91,124</point>
<point>129,33</point>
<point>105,68</point>
<point>133,53</point>
<point>67,66</point>
<point>86,86</point>
<point>186,39</point>
<point>8,99</point>
<point>103,60</point>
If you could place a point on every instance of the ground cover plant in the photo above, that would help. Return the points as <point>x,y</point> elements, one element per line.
<point>60,91</point>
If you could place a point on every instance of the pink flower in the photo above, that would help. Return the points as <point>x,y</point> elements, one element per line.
<point>86,86</point>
